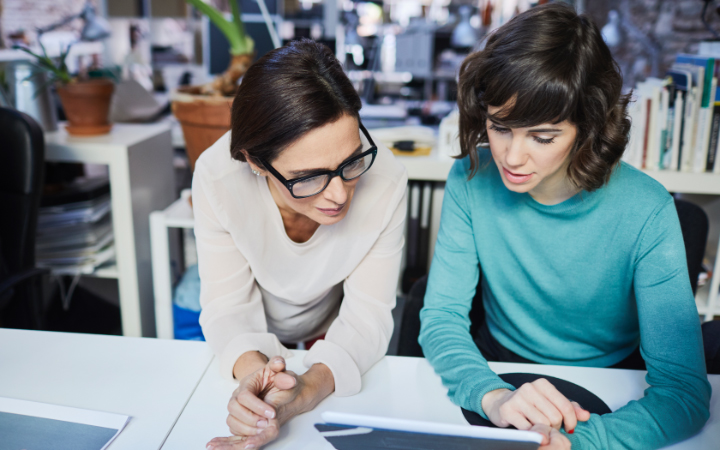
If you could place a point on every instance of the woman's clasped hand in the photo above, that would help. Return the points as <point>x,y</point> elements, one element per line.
<point>267,398</point>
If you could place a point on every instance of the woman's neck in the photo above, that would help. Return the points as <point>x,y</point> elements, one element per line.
<point>298,227</point>
<point>555,189</point>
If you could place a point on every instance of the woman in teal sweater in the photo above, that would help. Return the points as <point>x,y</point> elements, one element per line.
<point>582,257</point>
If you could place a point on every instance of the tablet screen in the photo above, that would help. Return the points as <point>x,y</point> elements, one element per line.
<point>358,432</point>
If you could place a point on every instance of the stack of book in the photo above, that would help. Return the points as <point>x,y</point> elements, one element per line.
<point>676,119</point>
<point>75,233</point>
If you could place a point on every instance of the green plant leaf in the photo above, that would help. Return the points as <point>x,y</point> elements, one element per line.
<point>234,31</point>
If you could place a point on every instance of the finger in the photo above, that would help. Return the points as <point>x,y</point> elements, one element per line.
<point>544,431</point>
<point>226,443</point>
<point>285,381</point>
<point>553,416</point>
<point>516,419</point>
<point>239,428</point>
<point>246,416</point>
<point>254,404</point>
<point>277,364</point>
<point>560,402</point>
<point>558,441</point>
<point>269,434</point>
<point>533,415</point>
<point>583,415</point>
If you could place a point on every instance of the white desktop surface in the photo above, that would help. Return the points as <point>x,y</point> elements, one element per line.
<point>150,380</point>
<point>406,388</point>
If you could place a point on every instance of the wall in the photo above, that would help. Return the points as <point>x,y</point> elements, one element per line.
<point>667,26</point>
<point>31,14</point>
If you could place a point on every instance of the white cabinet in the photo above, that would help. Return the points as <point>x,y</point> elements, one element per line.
<point>142,180</point>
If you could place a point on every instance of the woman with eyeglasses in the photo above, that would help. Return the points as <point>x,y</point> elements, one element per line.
<point>299,221</point>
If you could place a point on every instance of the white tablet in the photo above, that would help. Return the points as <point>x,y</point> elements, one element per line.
<point>358,432</point>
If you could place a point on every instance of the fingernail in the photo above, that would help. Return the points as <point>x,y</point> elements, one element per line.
<point>262,424</point>
<point>208,447</point>
<point>250,446</point>
<point>269,414</point>
<point>571,431</point>
<point>259,430</point>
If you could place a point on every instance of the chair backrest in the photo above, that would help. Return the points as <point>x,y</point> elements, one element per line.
<point>22,165</point>
<point>694,224</point>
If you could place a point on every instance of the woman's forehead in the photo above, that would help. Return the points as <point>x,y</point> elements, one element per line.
<point>325,147</point>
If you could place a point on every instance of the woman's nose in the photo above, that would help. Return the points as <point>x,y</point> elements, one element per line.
<point>515,156</point>
<point>336,191</point>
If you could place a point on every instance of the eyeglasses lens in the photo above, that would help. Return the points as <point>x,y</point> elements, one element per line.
<point>310,186</point>
<point>357,168</point>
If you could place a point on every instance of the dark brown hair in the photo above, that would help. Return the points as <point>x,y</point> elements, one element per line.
<point>286,93</point>
<point>547,65</point>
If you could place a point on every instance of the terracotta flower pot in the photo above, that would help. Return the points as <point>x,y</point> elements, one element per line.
<point>204,111</point>
<point>204,120</point>
<point>87,105</point>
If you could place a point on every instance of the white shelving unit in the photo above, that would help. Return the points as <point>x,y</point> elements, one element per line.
<point>140,161</point>
<point>434,167</point>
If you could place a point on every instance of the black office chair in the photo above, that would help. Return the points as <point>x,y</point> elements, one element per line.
<point>694,225</point>
<point>22,163</point>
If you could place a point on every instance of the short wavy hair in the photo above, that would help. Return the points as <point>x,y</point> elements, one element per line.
<point>548,65</point>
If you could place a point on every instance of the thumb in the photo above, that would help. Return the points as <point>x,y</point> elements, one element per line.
<point>277,364</point>
<point>284,381</point>
<point>544,430</point>
<point>583,415</point>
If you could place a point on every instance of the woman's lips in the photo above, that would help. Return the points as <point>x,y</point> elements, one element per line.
<point>516,178</point>
<point>331,212</point>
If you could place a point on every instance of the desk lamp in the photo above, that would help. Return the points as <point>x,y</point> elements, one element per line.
<point>94,29</point>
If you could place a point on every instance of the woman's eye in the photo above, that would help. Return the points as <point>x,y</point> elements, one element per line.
<point>544,141</point>
<point>499,129</point>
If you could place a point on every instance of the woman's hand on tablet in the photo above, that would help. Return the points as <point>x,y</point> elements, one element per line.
<point>536,403</point>
<point>552,438</point>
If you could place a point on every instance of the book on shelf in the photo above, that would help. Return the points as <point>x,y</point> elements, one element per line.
<point>676,119</point>
<point>74,232</point>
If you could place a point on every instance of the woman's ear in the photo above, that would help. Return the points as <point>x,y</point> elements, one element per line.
<point>254,167</point>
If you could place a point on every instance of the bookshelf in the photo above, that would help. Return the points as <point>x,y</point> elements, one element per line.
<point>140,161</point>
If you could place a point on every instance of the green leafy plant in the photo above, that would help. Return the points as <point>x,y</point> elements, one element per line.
<point>56,68</point>
<point>234,30</point>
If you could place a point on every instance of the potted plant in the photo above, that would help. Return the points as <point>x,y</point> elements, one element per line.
<point>204,111</point>
<point>86,101</point>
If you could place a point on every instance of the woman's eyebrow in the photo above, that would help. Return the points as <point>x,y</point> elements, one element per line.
<point>533,130</point>
<point>545,130</point>
<point>303,172</point>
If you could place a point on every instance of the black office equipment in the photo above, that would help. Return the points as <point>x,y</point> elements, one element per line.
<point>22,159</point>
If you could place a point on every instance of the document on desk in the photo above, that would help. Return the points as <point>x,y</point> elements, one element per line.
<point>32,425</point>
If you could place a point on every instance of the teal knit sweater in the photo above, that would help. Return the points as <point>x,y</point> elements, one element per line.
<point>580,283</point>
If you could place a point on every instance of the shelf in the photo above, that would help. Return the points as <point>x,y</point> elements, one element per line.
<point>687,183</point>
<point>179,214</point>
<point>106,271</point>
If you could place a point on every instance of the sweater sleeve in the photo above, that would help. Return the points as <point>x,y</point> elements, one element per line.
<point>360,335</point>
<point>676,405</point>
<point>232,317</point>
<point>445,324</point>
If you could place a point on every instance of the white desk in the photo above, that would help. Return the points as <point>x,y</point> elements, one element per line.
<point>150,380</point>
<point>142,180</point>
<point>407,388</point>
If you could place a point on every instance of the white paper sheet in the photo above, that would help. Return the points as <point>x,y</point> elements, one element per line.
<point>65,414</point>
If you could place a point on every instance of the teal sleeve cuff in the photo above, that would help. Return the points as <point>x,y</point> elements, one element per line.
<point>476,395</point>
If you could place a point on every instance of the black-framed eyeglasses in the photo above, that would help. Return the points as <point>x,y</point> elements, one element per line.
<point>314,184</point>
